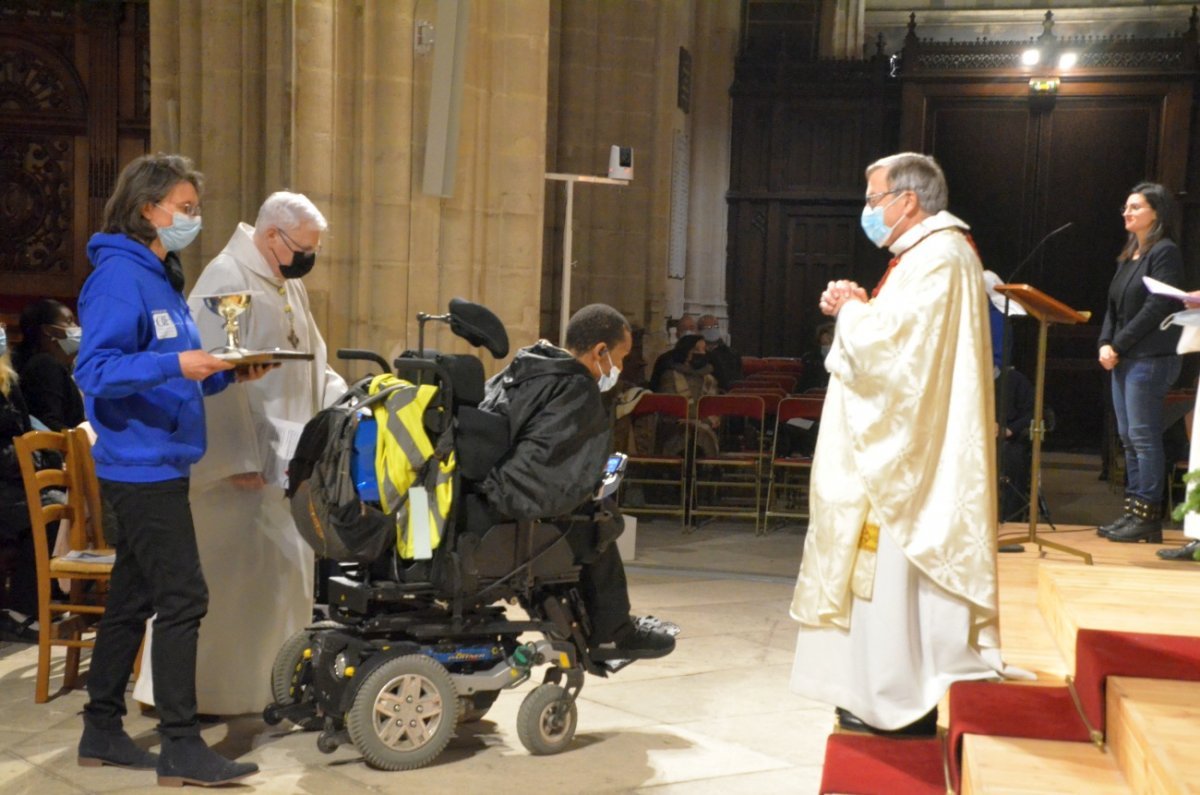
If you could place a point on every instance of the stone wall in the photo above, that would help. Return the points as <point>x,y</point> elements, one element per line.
<point>330,98</point>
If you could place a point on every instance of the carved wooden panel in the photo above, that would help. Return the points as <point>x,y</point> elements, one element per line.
<point>73,101</point>
<point>36,205</point>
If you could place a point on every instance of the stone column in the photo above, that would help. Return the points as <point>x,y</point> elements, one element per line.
<point>329,98</point>
<point>716,42</point>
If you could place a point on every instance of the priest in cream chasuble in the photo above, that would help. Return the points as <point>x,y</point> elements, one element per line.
<point>258,568</point>
<point>896,595</point>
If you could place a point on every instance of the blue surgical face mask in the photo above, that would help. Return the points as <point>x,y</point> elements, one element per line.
<point>872,223</point>
<point>609,380</point>
<point>825,350</point>
<point>180,234</point>
<point>712,334</point>
<point>3,341</point>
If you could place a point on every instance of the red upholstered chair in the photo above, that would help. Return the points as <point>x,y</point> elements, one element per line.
<point>786,381</point>
<point>649,470</point>
<point>730,483</point>
<point>787,486</point>
<point>864,764</point>
<point>783,364</point>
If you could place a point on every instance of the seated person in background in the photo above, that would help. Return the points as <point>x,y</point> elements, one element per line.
<point>1014,461</point>
<point>561,436</point>
<point>49,341</point>
<point>815,375</point>
<point>686,325</point>
<point>16,542</point>
<point>726,362</point>
<point>688,371</point>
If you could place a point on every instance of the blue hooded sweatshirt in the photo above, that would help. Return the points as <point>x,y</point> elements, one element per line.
<point>149,419</point>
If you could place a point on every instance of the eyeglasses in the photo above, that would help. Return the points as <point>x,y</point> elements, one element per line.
<point>873,198</point>
<point>187,208</point>
<point>293,246</point>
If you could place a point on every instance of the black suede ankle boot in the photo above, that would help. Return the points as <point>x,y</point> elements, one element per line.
<point>1146,525</point>
<point>112,747</point>
<point>188,760</point>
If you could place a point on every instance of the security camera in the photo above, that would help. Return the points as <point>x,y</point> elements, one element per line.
<point>620,162</point>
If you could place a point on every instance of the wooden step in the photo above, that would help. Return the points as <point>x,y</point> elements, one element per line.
<point>1158,598</point>
<point>1014,766</point>
<point>1154,733</point>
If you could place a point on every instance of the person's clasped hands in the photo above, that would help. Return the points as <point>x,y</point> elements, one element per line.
<point>838,293</point>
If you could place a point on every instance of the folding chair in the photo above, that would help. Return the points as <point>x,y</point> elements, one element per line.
<point>787,488</point>
<point>650,470</point>
<point>74,478</point>
<point>737,469</point>
<point>786,381</point>
<point>783,364</point>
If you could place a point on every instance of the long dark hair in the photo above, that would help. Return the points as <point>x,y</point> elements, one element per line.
<point>1166,222</point>
<point>34,318</point>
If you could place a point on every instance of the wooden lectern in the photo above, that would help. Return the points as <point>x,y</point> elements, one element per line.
<point>1046,310</point>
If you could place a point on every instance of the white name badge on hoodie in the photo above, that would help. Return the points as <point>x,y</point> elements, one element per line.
<point>164,327</point>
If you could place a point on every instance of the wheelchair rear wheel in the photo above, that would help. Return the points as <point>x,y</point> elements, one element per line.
<point>547,719</point>
<point>404,713</point>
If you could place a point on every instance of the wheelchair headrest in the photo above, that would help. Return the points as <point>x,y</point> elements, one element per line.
<point>478,326</point>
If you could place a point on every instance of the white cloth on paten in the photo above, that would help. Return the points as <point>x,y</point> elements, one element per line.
<point>907,441</point>
<point>258,569</point>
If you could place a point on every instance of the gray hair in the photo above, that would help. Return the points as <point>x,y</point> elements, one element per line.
<point>918,173</point>
<point>289,211</point>
<point>146,180</point>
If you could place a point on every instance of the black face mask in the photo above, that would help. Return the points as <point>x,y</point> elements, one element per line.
<point>301,264</point>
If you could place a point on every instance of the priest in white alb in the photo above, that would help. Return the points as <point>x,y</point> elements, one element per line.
<point>896,596</point>
<point>258,568</point>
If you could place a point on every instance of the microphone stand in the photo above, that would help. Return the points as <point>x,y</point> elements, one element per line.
<point>1005,358</point>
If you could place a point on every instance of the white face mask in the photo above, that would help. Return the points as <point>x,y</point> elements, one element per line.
<point>609,380</point>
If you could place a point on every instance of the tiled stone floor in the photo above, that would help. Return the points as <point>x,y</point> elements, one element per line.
<point>716,716</point>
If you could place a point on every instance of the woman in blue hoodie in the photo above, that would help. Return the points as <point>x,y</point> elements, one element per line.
<point>144,379</point>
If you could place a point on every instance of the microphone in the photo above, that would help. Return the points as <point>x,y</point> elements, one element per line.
<point>1035,250</point>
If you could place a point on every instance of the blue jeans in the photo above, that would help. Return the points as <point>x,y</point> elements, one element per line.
<point>1139,387</point>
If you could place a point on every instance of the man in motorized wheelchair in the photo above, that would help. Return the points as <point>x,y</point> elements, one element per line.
<point>561,435</point>
<point>505,487</point>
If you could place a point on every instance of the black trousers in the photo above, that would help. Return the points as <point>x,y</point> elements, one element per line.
<point>602,581</point>
<point>157,571</point>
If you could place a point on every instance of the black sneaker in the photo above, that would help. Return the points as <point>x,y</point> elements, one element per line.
<point>636,641</point>
<point>18,628</point>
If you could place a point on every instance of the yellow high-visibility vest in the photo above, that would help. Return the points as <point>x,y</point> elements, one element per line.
<point>401,452</point>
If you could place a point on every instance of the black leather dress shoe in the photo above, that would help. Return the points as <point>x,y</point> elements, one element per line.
<point>1186,552</point>
<point>925,726</point>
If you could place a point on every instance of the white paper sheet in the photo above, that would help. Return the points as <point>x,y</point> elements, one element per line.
<point>1162,288</point>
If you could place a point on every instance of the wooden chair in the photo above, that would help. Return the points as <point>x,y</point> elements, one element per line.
<point>649,470</point>
<point>60,622</point>
<point>737,469</point>
<point>787,487</point>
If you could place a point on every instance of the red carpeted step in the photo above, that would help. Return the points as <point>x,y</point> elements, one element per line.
<point>863,764</point>
<point>1009,710</point>
<point>1102,653</point>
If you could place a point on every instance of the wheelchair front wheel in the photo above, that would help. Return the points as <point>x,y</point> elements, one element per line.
<point>404,713</point>
<point>547,719</point>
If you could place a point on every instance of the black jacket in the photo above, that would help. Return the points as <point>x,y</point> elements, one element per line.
<point>51,393</point>
<point>14,421</point>
<point>726,362</point>
<point>1133,315</point>
<point>560,434</point>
